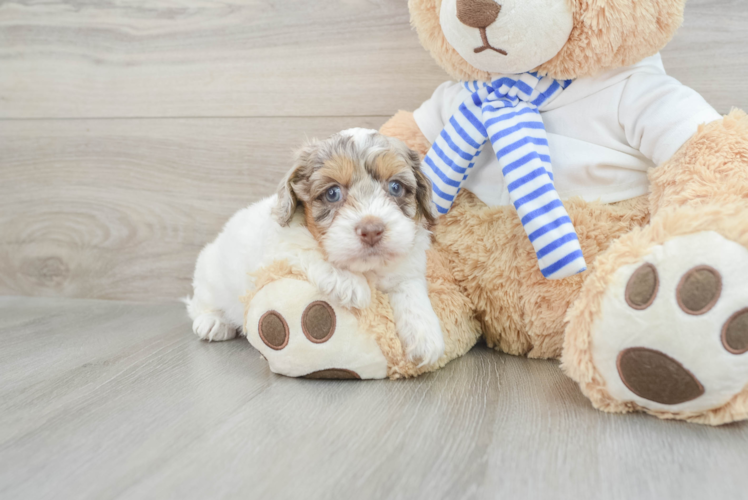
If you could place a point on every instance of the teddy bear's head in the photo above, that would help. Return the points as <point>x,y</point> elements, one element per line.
<point>473,39</point>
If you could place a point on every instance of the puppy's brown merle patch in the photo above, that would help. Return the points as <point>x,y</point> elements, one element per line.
<point>340,169</point>
<point>415,202</point>
<point>359,170</point>
<point>388,166</point>
<point>408,205</point>
<point>318,218</point>
<point>423,197</point>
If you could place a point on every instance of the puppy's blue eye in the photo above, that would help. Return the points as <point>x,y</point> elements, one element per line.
<point>396,189</point>
<point>333,195</point>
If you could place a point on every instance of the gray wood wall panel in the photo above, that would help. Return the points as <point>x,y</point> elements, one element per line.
<point>273,58</point>
<point>102,399</point>
<point>130,130</point>
<point>119,209</point>
<point>710,52</point>
<point>201,58</point>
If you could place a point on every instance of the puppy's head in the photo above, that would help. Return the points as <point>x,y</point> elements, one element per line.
<point>364,197</point>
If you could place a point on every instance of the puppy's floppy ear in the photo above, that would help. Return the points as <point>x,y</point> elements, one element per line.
<point>292,184</point>
<point>423,189</point>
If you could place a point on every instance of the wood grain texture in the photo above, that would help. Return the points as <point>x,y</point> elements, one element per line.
<point>187,58</point>
<point>119,209</point>
<point>107,400</point>
<point>199,58</point>
<point>710,52</point>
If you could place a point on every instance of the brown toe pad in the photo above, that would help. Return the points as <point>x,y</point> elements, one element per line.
<point>655,376</point>
<point>699,290</point>
<point>333,374</point>
<point>735,333</point>
<point>642,287</point>
<point>273,330</point>
<point>318,322</point>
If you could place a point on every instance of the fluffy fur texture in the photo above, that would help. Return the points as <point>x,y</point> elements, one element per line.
<point>703,188</point>
<point>521,312</point>
<point>461,329</point>
<point>614,33</point>
<point>353,210</point>
<point>606,34</point>
<point>577,357</point>
<point>708,170</point>
<point>404,127</point>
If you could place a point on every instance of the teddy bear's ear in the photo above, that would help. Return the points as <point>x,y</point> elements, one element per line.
<point>292,183</point>
<point>608,34</point>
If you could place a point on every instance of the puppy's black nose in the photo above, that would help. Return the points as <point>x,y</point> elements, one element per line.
<point>370,230</point>
<point>477,13</point>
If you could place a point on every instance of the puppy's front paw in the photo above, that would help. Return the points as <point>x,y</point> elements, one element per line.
<point>346,288</point>
<point>422,336</point>
<point>212,328</point>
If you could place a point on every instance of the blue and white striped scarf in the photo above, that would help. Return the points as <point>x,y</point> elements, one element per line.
<point>506,112</point>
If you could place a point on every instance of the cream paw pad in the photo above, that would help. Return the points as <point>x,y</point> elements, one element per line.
<point>301,334</point>
<point>672,334</point>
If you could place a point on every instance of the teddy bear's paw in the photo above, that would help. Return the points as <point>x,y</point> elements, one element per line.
<point>212,328</point>
<point>302,334</point>
<point>672,333</point>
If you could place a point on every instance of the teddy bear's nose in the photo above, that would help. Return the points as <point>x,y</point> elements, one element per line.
<point>477,13</point>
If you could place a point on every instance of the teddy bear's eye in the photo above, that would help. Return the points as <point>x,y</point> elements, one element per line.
<point>333,194</point>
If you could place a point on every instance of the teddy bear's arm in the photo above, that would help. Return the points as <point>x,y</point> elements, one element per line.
<point>712,166</point>
<point>659,114</point>
<point>404,127</point>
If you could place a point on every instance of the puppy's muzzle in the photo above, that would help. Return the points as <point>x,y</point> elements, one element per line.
<point>370,230</point>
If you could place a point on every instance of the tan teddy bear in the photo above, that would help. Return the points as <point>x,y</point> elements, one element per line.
<point>594,210</point>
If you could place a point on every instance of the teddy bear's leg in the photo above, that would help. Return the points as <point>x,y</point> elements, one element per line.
<point>661,324</point>
<point>520,311</point>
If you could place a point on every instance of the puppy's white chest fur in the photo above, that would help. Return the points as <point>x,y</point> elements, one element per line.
<point>409,267</point>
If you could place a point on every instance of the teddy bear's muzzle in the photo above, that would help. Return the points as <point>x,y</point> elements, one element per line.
<point>479,14</point>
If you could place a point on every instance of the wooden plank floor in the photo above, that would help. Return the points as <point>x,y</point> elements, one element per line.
<point>131,130</point>
<point>104,399</point>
